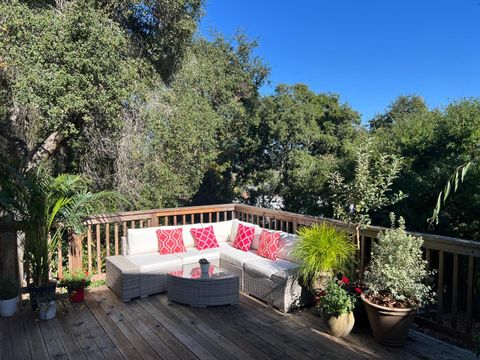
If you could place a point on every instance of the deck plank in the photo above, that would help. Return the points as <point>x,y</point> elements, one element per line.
<point>152,328</point>
<point>121,342</point>
<point>20,346</point>
<point>6,351</point>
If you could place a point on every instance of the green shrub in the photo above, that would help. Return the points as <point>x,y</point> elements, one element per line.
<point>8,289</point>
<point>322,249</point>
<point>75,280</point>
<point>397,272</point>
<point>336,300</point>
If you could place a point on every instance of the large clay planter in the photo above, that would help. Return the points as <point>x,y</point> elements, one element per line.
<point>339,326</point>
<point>389,325</point>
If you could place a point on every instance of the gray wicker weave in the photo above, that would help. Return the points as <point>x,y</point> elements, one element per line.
<point>123,277</point>
<point>190,288</point>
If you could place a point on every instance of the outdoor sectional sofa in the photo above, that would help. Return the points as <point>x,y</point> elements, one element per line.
<point>141,270</point>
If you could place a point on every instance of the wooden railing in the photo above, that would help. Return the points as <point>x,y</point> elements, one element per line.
<point>455,260</point>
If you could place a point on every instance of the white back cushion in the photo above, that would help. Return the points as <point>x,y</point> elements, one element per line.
<point>142,241</point>
<point>286,245</point>
<point>258,231</point>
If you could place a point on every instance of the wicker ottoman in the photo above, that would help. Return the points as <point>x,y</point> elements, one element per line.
<point>190,287</point>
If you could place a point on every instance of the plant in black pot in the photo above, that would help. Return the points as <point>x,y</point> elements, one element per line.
<point>396,283</point>
<point>8,297</point>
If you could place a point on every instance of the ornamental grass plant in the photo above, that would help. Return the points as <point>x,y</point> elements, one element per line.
<point>322,249</point>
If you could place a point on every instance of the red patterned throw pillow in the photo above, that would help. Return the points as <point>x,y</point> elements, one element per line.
<point>268,244</point>
<point>244,238</point>
<point>204,237</point>
<point>170,241</point>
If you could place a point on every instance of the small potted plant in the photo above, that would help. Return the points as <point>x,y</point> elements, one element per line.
<point>76,283</point>
<point>321,251</point>
<point>337,305</point>
<point>204,265</point>
<point>8,297</point>
<point>396,284</point>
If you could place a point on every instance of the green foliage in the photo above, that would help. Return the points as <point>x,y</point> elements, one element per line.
<point>45,208</point>
<point>75,280</point>
<point>337,300</point>
<point>8,289</point>
<point>403,106</point>
<point>321,249</point>
<point>303,137</point>
<point>397,272</point>
<point>369,190</point>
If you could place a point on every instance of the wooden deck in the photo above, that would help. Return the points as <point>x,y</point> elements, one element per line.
<point>105,328</point>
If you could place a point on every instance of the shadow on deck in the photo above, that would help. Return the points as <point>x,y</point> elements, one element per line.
<point>105,328</point>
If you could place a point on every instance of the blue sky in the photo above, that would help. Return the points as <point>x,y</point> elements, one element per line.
<point>367,51</point>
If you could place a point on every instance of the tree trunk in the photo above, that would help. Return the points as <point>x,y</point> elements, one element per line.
<point>44,150</point>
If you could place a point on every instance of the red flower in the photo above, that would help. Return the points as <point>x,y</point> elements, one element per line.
<point>322,293</point>
<point>358,290</point>
<point>345,280</point>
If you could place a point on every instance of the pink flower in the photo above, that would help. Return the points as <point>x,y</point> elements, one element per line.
<point>345,280</point>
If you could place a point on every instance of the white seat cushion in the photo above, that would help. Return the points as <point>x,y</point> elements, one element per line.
<point>267,267</point>
<point>286,244</point>
<point>238,257</point>
<point>155,262</point>
<point>193,255</point>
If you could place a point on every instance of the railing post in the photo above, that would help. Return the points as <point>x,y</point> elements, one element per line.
<point>75,252</point>
<point>154,220</point>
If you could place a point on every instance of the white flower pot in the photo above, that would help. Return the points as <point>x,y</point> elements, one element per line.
<point>8,307</point>
<point>47,310</point>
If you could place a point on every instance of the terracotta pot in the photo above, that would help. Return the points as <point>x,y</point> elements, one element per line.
<point>339,326</point>
<point>389,325</point>
<point>76,295</point>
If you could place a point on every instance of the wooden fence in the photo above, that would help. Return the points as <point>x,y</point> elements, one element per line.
<point>456,261</point>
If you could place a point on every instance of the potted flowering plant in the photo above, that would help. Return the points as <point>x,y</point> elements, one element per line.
<point>76,283</point>
<point>396,284</point>
<point>337,305</point>
<point>8,297</point>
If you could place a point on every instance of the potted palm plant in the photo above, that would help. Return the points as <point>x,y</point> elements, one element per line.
<point>46,208</point>
<point>396,284</point>
<point>337,305</point>
<point>321,251</point>
<point>8,297</point>
<point>76,282</point>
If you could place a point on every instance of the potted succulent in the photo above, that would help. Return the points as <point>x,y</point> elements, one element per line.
<point>204,265</point>
<point>321,251</point>
<point>76,283</point>
<point>8,297</point>
<point>337,305</point>
<point>396,284</point>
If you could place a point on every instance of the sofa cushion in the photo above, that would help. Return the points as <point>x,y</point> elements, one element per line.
<point>192,255</point>
<point>267,267</point>
<point>244,237</point>
<point>144,240</point>
<point>237,257</point>
<point>286,244</point>
<point>170,241</point>
<point>204,237</point>
<point>256,238</point>
<point>155,262</point>
<point>268,244</point>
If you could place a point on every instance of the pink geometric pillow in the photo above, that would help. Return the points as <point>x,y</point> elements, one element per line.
<point>244,238</point>
<point>170,241</point>
<point>268,244</point>
<point>204,237</point>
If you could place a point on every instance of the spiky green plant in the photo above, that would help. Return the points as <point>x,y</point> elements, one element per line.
<point>321,249</point>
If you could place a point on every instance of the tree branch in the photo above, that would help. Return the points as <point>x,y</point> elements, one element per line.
<point>44,150</point>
